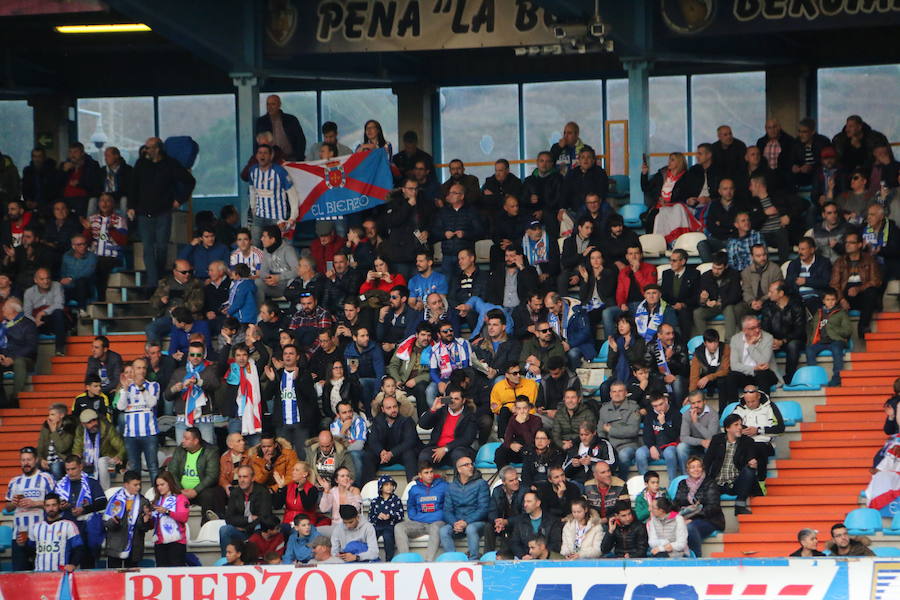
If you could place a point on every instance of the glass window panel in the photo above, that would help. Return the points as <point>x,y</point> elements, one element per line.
<point>479,124</point>
<point>303,106</point>
<point>211,120</point>
<point>17,133</point>
<point>549,106</point>
<point>350,109</point>
<point>735,99</point>
<point>668,117</point>
<point>870,92</point>
<point>125,123</point>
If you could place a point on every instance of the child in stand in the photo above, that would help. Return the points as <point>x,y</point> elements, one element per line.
<point>298,550</point>
<point>389,389</point>
<point>94,398</point>
<point>242,297</point>
<point>361,251</point>
<point>650,494</point>
<point>386,511</point>
<point>829,328</point>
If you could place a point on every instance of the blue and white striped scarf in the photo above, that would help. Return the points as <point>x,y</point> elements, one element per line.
<point>118,509</point>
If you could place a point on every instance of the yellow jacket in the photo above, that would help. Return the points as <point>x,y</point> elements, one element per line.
<point>503,394</point>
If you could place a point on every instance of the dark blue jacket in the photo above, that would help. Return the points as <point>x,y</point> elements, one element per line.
<point>22,339</point>
<point>200,257</point>
<point>500,508</point>
<point>397,439</point>
<point>819,275</point>
<point>371,360</point>
<point>465,219</point>
<point>469,502</point>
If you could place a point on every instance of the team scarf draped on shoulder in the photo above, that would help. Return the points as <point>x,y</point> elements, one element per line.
<point>64,490</point>
<point>560,323</point>
<point>442,357</point>
<point>117,508</point>
<point>249,396</point>
<point>404,350</point>
<point>647,324</point>
<point>91,449</point>
<point>194,397</point>
<point>167,528</point>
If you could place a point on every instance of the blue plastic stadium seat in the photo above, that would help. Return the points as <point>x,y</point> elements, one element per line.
<point>808,378</point>
<point>673,486</point>
<point>452,557</point>
<point>894,529</point>
<point>6,536</point>
<point>8,375</point>
<point>631,214</point>
<point>728,410</point>
<point>603,354</point>
<point>397,467</point>
<point>44,337</point>
<point>485,457</point>
<point>224,561</point>
<point>727,497</point>
<point>886,551</point>
<point>853,312</point>
<point>489,556</point>
<point>718,317</point>
<point>791,412</point>
<point>147,563</point>
<point>694,343</point>
<point>863,521</point>
<point>407,557</point>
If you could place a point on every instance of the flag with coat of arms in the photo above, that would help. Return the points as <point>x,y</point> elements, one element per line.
<point>341,185</point>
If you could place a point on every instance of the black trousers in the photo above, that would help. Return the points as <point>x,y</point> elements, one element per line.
<point>170,555</point>
<point>212,498</point>
<point>372,462</point>
<point>506,455</point>
<point>761,452</point>
<point>866,302</point>
<point>449,459</point>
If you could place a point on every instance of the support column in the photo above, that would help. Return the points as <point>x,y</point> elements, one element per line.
<point>638,122</point>
<point>786,95</point>
<point>247,111</point>
<point>414,113</point>
<point>51,124</point>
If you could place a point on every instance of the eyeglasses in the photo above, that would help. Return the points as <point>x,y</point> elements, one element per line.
<point>543,330</point>
<point>395,297</point>
<point>196,355</point>
<point>464,465</point>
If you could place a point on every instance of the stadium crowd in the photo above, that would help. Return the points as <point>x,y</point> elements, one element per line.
<point>293,378</point>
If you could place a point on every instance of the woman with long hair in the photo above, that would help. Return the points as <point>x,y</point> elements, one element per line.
<point>381,278</point>
<point>582,533</point>
<point>171,510</point>
<point>373,138</point>
<point>335,494</point>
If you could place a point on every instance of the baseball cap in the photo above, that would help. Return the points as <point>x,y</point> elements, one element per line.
<point>87,415</point>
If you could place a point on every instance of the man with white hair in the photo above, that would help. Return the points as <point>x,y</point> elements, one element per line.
<point>752,357</point>
<point>286,130</point>
<point>45,305</point>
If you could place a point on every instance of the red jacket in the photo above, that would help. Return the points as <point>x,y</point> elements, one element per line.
<point>645,275</point>
<point>304,501</point>
<point>322,254</point>
<point>264,546</point>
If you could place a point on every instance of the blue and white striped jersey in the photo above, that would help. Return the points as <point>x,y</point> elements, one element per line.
<point>31,487</point>
<point>270,188</point>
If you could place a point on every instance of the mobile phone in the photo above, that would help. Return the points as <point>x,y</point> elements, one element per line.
<point>329,265</point>
<point>645,158</point>
<point>445,400</point>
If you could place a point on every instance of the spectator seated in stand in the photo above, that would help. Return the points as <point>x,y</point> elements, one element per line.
<point>698,425</point>
<point>697,496</point>
<point>666,531</point>
<point>44,304</point>
<point>626,536</point>
<point>79,268</point>
<point>710,366</point>
<point>829,328</point>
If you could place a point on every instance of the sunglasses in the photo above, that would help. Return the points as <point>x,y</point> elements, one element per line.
<point>188,272</point>
<point>196,354</point>
<point>464,465</point>
<point>446,331</point>
<point>514,373</point>
<point>855,177</point>
<point>752,391</point>
<point>543,330</point>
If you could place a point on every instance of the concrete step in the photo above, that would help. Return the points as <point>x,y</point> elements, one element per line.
<point>115,309</point>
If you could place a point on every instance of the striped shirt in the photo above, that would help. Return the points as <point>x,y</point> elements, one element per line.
<point>54,542</point>
<point>357,432</point>
<point>101,227</point>
<point>254,261</point>
<point>289,400</point>
<point>139,402</point>
<point>270,187</point>
<point>31,487</point>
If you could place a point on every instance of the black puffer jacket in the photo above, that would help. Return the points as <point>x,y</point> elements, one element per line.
<point>788,323</point>
<point>709,497</point>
